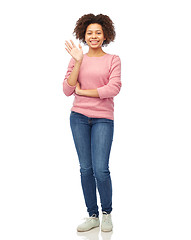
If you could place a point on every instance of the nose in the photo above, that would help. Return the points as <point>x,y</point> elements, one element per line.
<point>93,35</point>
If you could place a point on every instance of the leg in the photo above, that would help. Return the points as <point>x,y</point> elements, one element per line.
<point>81,132</point>
<point>101,141</point>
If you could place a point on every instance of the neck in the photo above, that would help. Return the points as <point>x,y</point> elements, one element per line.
<point>95,52</point>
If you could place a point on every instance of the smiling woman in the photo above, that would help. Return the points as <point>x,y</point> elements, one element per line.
<point>107,27</point>
<point>95,79</point>
<point>94,36</point>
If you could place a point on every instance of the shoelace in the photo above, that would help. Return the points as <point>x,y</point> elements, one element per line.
<point>106,217</point>
<point>90,218</point>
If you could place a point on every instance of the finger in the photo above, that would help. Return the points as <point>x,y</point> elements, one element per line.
<point>68,45</point>
<point>68,51</point>
<point>73,45</point>
<point>80,46</point>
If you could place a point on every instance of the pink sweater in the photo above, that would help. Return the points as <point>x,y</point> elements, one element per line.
<point>101,73</point>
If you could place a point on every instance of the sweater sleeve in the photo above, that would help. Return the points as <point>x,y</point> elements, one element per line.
<point>113,87</point>
<point>68,89</point>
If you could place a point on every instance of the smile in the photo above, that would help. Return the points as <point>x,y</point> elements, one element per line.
<point>94,42</point>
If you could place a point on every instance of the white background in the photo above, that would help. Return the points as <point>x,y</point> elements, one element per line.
<point>40,192</point>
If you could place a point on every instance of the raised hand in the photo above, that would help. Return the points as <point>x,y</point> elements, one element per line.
<point>76,53</point>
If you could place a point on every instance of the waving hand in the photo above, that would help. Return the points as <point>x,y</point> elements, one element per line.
<point>76,53</point>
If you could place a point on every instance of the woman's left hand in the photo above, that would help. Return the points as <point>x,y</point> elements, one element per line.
<point>78,89</point>
<point>87,92</point>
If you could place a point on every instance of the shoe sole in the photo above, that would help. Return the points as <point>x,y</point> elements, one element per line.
<point>105,230</point>
<point>78,230</point>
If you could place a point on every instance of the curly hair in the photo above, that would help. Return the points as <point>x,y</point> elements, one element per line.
<point>87,19</point>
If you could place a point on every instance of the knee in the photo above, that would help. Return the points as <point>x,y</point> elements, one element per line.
<point>101,175</point>
<point>86,171</point>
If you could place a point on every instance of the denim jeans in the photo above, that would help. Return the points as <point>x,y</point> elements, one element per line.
<point>93,139</point>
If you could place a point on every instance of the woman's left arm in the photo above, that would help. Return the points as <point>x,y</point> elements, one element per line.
<point>87,93</point>
<point>109,90</point>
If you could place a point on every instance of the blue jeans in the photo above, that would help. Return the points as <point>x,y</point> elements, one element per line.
<point>93,139</point>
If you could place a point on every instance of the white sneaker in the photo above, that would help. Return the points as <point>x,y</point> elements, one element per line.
<point>106,225</point>
<point>91,222</point>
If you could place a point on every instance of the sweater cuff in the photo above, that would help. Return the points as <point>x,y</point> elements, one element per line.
<point>101,92</point>
<point>69,86</point>
<point>68,89</point>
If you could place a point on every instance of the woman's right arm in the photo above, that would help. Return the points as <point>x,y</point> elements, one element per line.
<point>72,79</point>
<point>77,55</point>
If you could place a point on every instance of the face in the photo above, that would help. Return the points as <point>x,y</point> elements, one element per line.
<point>94,35</point>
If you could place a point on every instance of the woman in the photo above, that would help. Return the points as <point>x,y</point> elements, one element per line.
<point>95,79</point>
